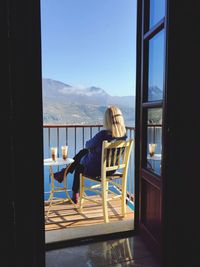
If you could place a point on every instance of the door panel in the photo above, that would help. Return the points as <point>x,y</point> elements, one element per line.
<point>150,216</point>
<point>152,91</point>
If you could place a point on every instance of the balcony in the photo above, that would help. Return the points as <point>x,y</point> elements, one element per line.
<point>64,221</point>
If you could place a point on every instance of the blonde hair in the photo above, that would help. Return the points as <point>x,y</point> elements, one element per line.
<point>114,121</point>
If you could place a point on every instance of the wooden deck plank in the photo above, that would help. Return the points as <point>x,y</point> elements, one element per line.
<point>65,215</point>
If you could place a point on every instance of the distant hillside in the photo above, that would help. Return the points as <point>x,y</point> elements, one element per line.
<point>89,95</point>
<point>66,104</point>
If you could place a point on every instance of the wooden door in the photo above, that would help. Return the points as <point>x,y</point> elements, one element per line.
<point>151,90</point>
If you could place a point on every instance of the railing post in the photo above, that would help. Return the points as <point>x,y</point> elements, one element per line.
<point>83,134</point>
<point>66,136</point>
<point>58,143</point>
<point>75,139</point>
<point>49,144</point>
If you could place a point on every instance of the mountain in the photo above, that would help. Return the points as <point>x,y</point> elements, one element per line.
<point>85,95</point>
<point>63,103</point>
<point>155,93</point>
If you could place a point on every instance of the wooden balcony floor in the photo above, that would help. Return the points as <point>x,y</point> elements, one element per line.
<point>65,215</point>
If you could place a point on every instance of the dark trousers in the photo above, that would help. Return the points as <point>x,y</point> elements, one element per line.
<point>77,168</point>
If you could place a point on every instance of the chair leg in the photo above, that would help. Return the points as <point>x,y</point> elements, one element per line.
<point>81,192</point>
<point>50,204</point>
<point>104,200</point>
<point>123,199</point>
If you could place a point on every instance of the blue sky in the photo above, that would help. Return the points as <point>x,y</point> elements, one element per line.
<point>90,43</point>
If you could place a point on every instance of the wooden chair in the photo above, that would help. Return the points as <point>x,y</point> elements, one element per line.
<point>115,156</point>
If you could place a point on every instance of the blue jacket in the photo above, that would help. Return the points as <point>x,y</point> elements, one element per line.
<point>92,161</point>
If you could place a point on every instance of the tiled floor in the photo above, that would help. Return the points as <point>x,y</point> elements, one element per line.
<point>114,253</point>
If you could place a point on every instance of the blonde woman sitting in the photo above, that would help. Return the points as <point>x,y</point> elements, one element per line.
<point>88,160</point>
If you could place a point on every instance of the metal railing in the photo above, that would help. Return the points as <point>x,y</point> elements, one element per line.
<point>75,137</point>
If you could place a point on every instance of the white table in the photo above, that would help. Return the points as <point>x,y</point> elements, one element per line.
<point>154,157</point>
<point>59,162</point>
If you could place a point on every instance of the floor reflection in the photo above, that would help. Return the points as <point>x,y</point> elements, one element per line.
<point>109,252</point>
<point>120,252</point>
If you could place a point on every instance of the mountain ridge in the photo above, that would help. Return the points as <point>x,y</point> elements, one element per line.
<point>63,103</point>
<point>67,104</point>
<point>90,95</point>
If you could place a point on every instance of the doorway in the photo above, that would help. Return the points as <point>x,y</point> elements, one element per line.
<point>88,63</point>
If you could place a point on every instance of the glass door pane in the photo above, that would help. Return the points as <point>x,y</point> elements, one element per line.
<point>154,140</point>
<point>156,67</point>
<point>157,11</point>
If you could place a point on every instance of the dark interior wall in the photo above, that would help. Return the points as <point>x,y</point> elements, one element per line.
<point>181,224</point>
<point>7,227</point>
<point>25,132</point>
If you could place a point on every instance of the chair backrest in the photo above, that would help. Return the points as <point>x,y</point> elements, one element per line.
<point>115,155</point>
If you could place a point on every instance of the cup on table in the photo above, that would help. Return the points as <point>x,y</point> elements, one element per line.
<point>64,152</point>
<point>54,153</point>
<point>152,148</point>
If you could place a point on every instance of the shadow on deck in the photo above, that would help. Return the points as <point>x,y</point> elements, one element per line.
<point>65,222</point>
